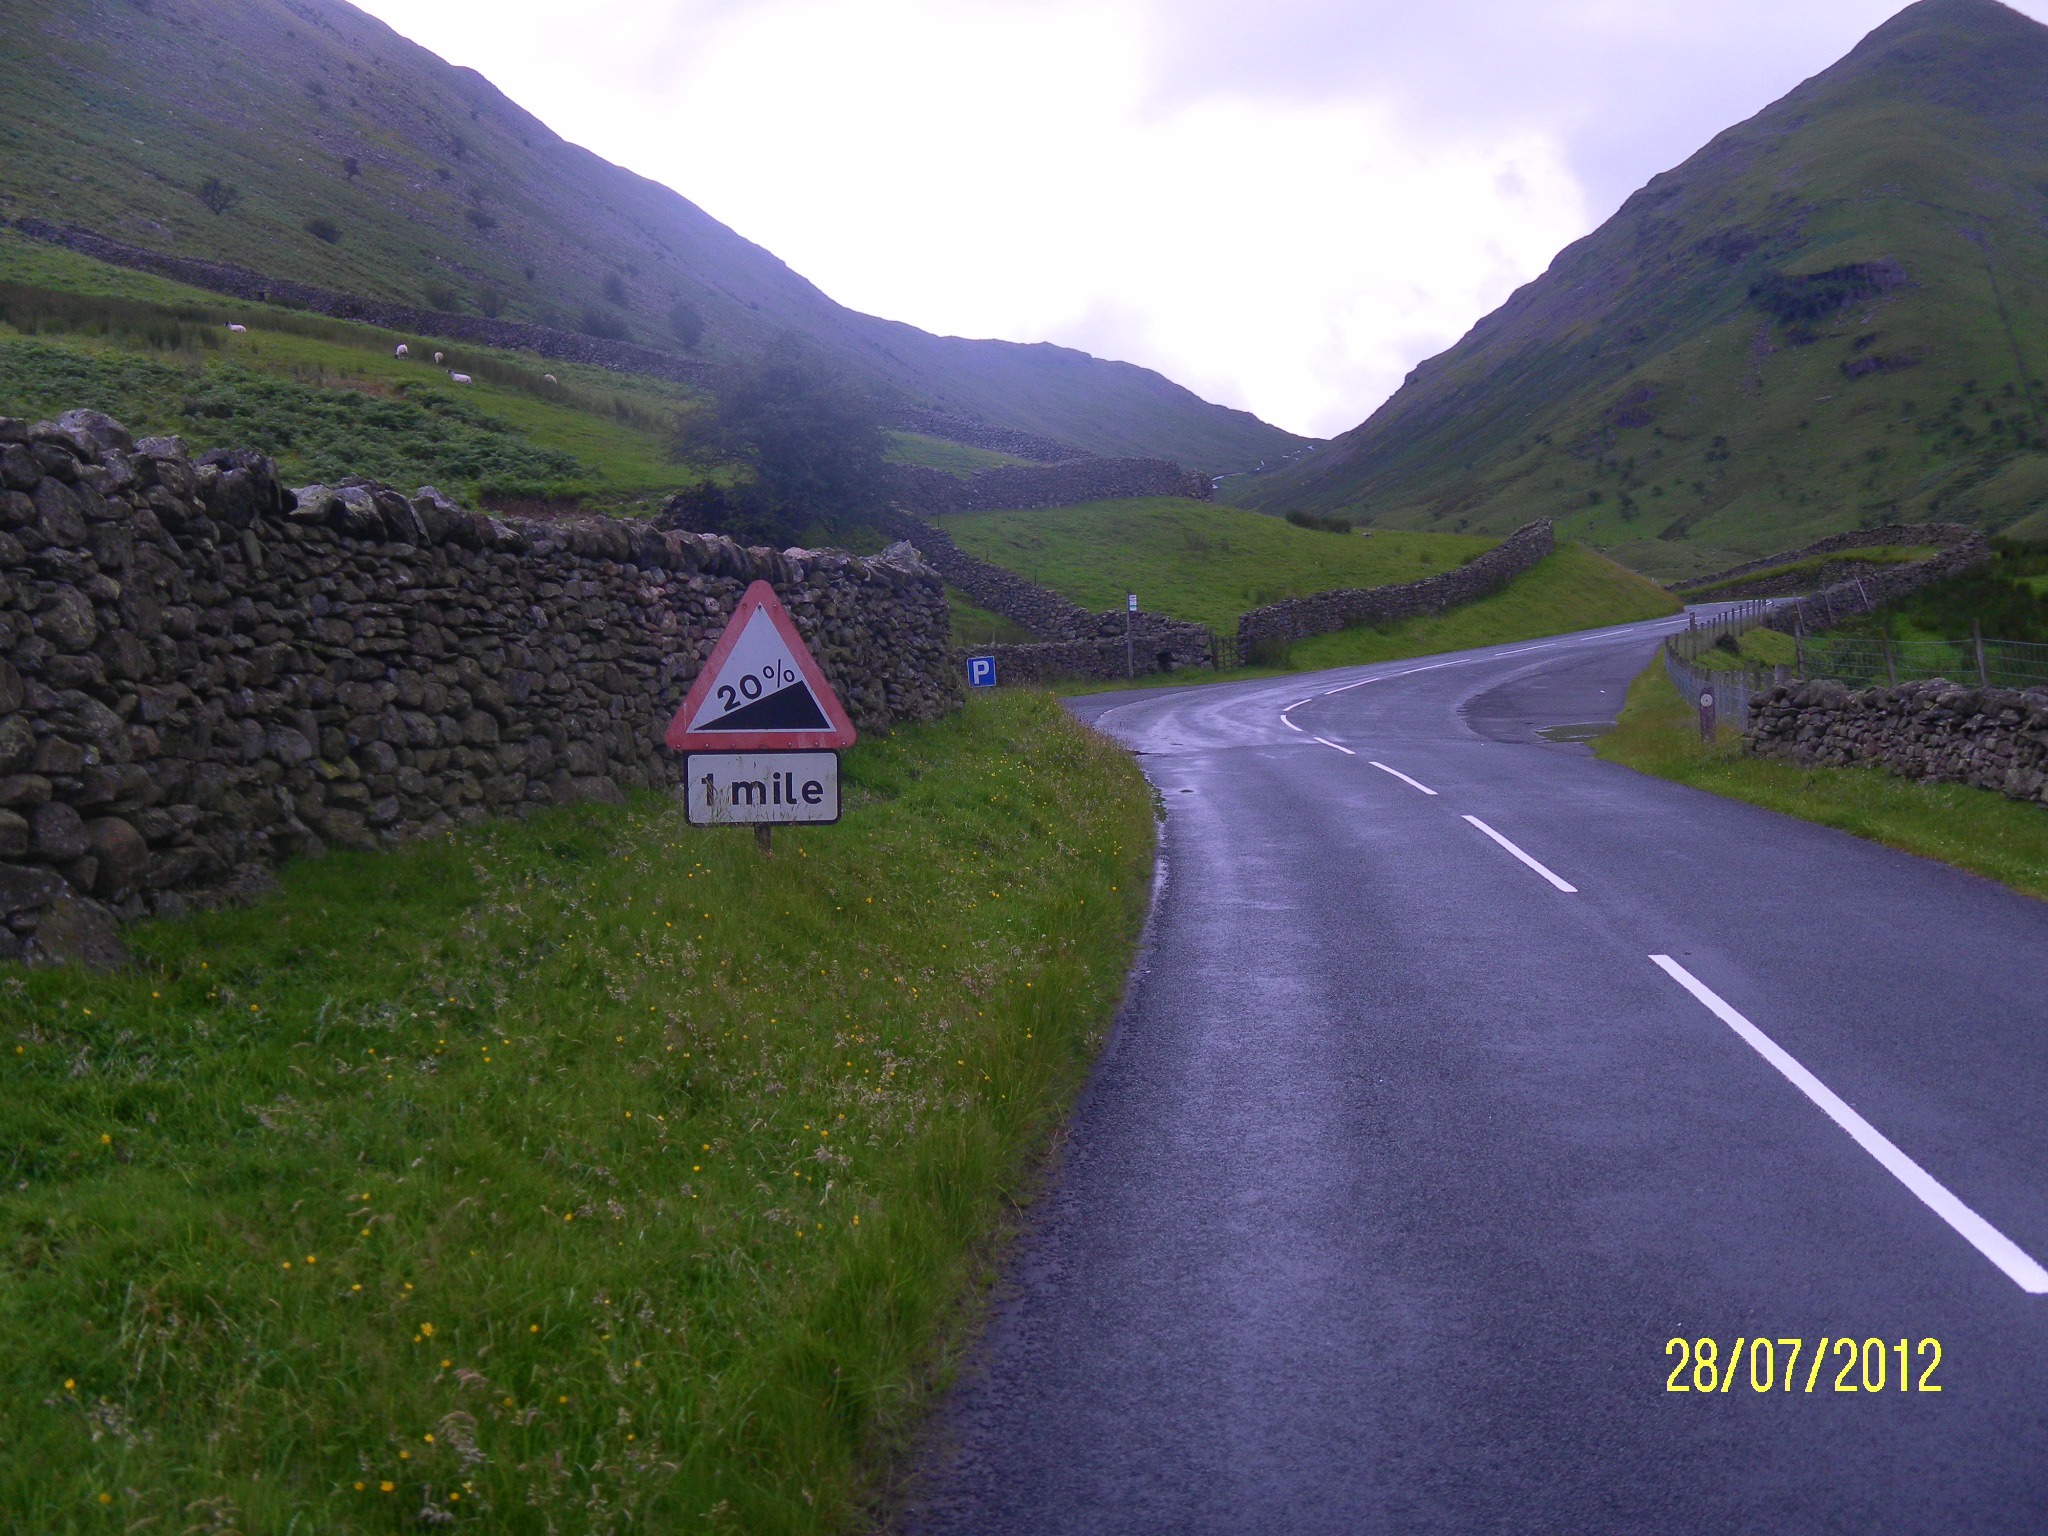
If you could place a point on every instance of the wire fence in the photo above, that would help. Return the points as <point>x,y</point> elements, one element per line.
<point>1857,661</point>
<point>1869,663</point>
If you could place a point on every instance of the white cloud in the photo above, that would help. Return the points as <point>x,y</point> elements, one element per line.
<point>1283,206</point>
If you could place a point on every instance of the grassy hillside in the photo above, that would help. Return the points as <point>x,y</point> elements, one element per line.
<point>584,1173</point>
<point>1194,560</point>
<point>1831,315</point>
<point>325,397</point>
<point>345,156</point>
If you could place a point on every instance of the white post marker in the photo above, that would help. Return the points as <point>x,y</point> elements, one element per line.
<point>761,729</point>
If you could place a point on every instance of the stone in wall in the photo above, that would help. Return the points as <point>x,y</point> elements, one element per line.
<point>1939,732</point>
<point>203,673</point>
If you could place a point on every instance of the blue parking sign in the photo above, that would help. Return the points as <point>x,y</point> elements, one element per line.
<point>981,671</point>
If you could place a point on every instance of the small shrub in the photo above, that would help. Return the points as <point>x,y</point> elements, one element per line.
<point>481,220</point>
<point>351,167</point>
<point>440,296</point>
<point>489,302</point>
<point>324,230</point>
<point>1320,524</point>
<point>614,290</point>
<point>218,196</point>
<point>596,322</point>
<point>687,322</point>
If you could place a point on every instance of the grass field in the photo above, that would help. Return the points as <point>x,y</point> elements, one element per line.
<point>974,625</point>
<point>1974,829</point>
<point>1192,559</point>
<point>583,1174</point>
<point>326,397</point>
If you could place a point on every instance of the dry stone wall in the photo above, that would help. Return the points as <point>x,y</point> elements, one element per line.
<point>1992,738</point>
<point>1325,613</point>
<point>1027,487</point>
<point>1074,642</point>
<point>203,673</point>
<point>1964,549</point>
<point>976,433</point>
<point>1941,536</point>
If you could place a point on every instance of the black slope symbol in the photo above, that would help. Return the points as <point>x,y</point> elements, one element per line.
<point>787,709</point>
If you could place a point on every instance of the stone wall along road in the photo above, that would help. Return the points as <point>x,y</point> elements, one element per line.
<point>203,673</point>
<point>1992,738</point>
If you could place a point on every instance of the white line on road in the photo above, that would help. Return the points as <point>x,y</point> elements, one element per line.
<point>1974,1229</point>
<point>1511,848</point>
<point>1289,723</point>
<point>1298,703</point>
<point>1397,773</point>
<point>1329,743</point>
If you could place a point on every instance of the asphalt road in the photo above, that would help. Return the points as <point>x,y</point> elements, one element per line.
<point>1404,1164</point>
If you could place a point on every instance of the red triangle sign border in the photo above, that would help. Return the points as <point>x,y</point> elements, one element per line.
<point>760,598</point>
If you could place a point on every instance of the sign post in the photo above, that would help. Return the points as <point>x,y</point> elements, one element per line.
<point>1130,660</point>
<point>761,729</point>
<point>1706,714</point>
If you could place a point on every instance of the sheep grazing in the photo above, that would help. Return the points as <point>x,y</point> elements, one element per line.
<point>549,378</point>
<point>237,329</point>
<point>462,378</point>
<point>440,358</point>
<point>403,351</point>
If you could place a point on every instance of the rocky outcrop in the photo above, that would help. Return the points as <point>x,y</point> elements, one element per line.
<point>1025,487</point>
<point>1940,732</point>
<point>1323,613</point>
<point>203,673</point>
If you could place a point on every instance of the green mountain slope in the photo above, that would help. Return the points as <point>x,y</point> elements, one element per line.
<point>1832,315</point>
<point>353,159</point>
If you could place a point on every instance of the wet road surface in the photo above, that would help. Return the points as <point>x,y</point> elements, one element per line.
<point>1463,1074</point>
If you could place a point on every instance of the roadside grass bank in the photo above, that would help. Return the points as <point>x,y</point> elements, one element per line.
<point>1571,589</point>
<point>1974,829</point>
<point>589,1173</point>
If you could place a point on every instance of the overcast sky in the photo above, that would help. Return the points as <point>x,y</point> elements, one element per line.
<point>1284,205</point>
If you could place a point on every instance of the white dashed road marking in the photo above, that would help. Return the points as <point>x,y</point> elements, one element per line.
<point>1397,773</point>
<point>1562,885</point>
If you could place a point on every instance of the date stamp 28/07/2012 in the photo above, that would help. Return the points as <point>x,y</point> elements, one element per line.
<point>1773,1365</point>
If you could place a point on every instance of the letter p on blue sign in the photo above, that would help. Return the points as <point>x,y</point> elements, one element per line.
<point>981,671</point>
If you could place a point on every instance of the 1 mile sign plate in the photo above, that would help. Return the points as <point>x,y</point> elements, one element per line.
<point>761,728</point>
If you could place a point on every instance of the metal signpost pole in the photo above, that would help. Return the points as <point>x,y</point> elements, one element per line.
<point>1706,715</point>
<point>1130,656</point>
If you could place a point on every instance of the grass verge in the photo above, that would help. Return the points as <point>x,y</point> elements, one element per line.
<point>585,1173</point>
<point>1974,829</point>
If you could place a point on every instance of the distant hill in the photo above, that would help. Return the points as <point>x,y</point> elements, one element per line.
<point>1834,314</point>
<point>339,154</point>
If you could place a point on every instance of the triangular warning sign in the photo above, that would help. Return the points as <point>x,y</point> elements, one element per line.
<point>762,690</point>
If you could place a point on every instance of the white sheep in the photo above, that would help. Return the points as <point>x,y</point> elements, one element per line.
<point>403,351</point>
<point>462,378</point>
<point>237,329</point>
<point>440,358</point>
<point>550,378</point>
